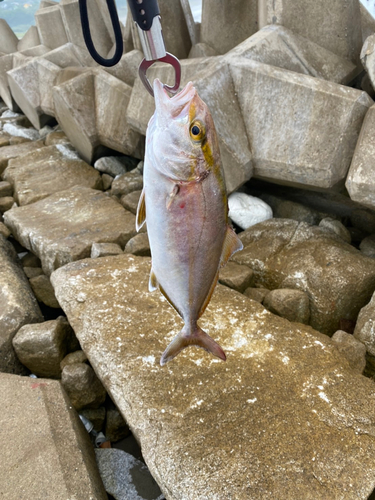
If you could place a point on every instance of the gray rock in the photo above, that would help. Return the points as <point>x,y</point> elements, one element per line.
<point>336,227</point>
<point>9,152</point>
<point>49,170</point>
<point>18,306</point>
<point>115,426</point>
<point>139,245</point>
<point>352,349</point>
<point>364,330</point>
<point>107,181</point>
<point>4,231</point>
<point>127,183</point>
<point>63,227</point>
<point>293,305</point>
<point>367,246</point>
<point>82,386</point>
<point>43,290</point>
<point>111,165</point>
<point>236,276</point>
<point>96,417</point>
<point>44,131</point>
<point>104,249</point>
<point>257,294</point>
<point>130,201</point>
<point>287,209</point>
<point>288,362</point>
<point>6,203</point>
<point>30,260</point>
<point>42,346</point>
<point>286,254</point>
<point>125,477</point>
<point>5,189</point>
<point>18,131</point>
<point>32,272</point>
<point>72,358</point>
<point>48,454</point>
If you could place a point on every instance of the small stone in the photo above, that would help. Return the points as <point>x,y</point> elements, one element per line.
<point>30,260</point>
<point>5,189</point>
<point>6,203</point>
<point>365,327</point>
<point>14,141</point>
<point>4,230</point>
<point>336,227</point>
<point>42,346</point>
<point>44,131</point>
<point>57,137</point>
<point>138,245</point>
<point>72,358</point>
<point>290,304</point>
<point>107,181</point>
<point>352,349</point>
<point>17,131</point>
<point>83,386</point>
<point>96,417</point>
<point>125,477</point>
<point>104,249</point>
<point>111,165</point>
<point>126,183</point>
<point>43,290</point>
<point>367,246</point>
<point>115,426</point>
<point>246,210</point>
<point>130,201</point>
<point>32,272</point>
<point>236,276</point>
<point>257,294</point>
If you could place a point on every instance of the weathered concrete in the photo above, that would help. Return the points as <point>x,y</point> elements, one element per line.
<point>360,182</point>
<point>51,27</point>
<point>63,227</point>
<point>253,427</point>
<point>368,58</point>
<point>126,69</point>
<point>53,457</point>
<point>18,306</point>
<point>367,22</point>
<point>8,40</point>
<point>306,134</point>
<point>286,254</point>
<point>334,24</point>
<point>48,170</point>
<point>226,23</point>
<point>30,39</point>
<point>278,46</point>
<point>91,108</point>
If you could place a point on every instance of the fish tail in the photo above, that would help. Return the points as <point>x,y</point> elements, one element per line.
<point>191,335</point>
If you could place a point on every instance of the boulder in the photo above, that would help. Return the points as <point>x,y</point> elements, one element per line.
<point>52,457</point>
<point>127,183</point>
<point>139,245</point>
<point>43,290</point>
<point>30,39</point>
<point>367,246</point>
<point>107,182</point>
<point>38,174</point>
<point>286,254</point>
<point>333,25</point>
<point>368,58</point>
<point>8,40</point>
<point>246,210</point>
<point>50,26</point>
<point>293,305</point>
<point>111,165</point>
<point>18,306</point>
<point>281,47</point>
<point>9,152</point>
<point>63,227</point>
<point>367,22</point>
<point>6,203</point>
<point>360,181</point>
<point>257,294</point>
<point>336,227</point>
<point>115,426</point>
<point>82,386</point>
<point>285,391</point>
<point>4,231</point>
<point>91,108</point>
<point>72,358</point>
<point>41,347</point>
<point>32,272</point>
<point>323,121</point>
<point>364,330</point>
<point>235,276</point>
<point>56,138</point>
<point>130,201</point>
<point>352,349</point>
<point>104,249</point>
<point>125,477</point>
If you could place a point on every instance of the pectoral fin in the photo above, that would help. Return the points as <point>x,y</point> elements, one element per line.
<point>232,244</point>
<point>141,212</point>
<point>153,282</point>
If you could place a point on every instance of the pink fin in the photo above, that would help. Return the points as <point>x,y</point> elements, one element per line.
<point>141,212</point>
<point>232,244</point>
<point>186,338</point>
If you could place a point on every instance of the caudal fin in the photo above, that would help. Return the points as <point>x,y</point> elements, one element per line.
<point>188,337</point>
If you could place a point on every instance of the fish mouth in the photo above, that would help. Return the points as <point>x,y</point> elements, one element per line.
<point>174,105</point>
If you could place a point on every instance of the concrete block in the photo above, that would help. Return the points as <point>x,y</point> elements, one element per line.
<point>8,40</point>
<point>51,27</point>
<point>175,29</point>
<point>201,50</point>
<point>6,64</point>
<point>226,23</point>
<point>281,47</point>
<point>368,58</point>
<point>301,130</point>
<point>367,22</point>
<point>30,39</point>
<point>53,457</point>
<point>360,182</point>
<point>335,25</point>
<point>126,69</point>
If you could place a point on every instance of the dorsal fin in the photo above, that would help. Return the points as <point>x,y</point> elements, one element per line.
<point>232,244</point>
<point>141,212</point>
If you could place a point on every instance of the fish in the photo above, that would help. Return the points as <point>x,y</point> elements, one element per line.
<point>184,202</point>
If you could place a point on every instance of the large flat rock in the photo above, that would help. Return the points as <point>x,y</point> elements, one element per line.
<point>62,227</point>
<point>9,152</point>
<point>18,306</point>
<point>284,417</point>
<point>48,452</point>
<point>48,170</point>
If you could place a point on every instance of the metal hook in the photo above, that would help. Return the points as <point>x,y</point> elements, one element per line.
<point>169,59</point>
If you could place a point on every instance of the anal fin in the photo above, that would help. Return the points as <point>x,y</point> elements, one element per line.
<point>141,212</point>
<point>232,244</point>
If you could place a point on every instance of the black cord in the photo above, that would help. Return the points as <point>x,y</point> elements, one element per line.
<point>116,29</point>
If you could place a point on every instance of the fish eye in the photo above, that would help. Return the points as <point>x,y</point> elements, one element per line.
<point>197,131</point>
